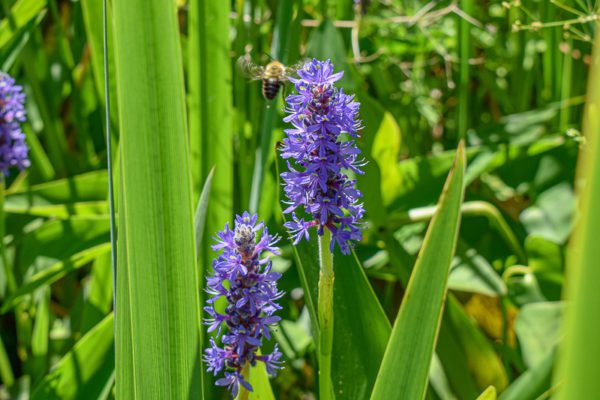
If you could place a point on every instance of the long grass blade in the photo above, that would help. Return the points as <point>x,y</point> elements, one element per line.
<point>405,366</point>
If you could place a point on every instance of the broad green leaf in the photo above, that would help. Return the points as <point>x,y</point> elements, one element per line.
<point>538,327</point>
<point>210,109</point>
<point>85,371</point>
<point>260,383</point>
<point>551,216</point>
<point>523,287</point>
<point>546,262</point>
<point>579,367</point>
<point>159,356</point>
<point>209,104</point>
<point>361,328</point>
<point>423,177</point>
<point>534,382</point>
<point>386,151</point>
<point>484,365</point>
<point>471,272</point>
<point>405,366</point>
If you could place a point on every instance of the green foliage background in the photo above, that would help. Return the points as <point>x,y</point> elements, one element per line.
<point>484,306</point>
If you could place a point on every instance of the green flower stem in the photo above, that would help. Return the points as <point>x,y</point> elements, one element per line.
<point>325,310</point>
<point>244,394</point>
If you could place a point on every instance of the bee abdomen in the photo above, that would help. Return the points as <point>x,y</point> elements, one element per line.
<point>270,87</point>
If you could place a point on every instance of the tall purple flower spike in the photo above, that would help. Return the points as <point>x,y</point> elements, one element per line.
<point>13,149</point>
<point>316,181</point>
<point>251,294</point>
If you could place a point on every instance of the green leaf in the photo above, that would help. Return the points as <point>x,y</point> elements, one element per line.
<point>92,18</point>
<point>551,216</point>
<point>11,51</point>
<point>201,209</point>
<point>280,50</point>
<point>99,293</point>
<point>488,394</point>
<point>86,371</point>
<point>538,327</point>
<point>83,194</point>
<point>210,110</point>
<point>484,365</point>
<point>423,177</point>
<point>471,272</point>
<point>40,336</point>
<point>361,328</point>
<point>259,379</point>
<point>532,383</point>
<point>385,151</point>
<point>405,366</point>
<point>546,262</point>
<point>54,272</point>
<point>21,14</point>
<point>579,365</point>
<point>59,240</point>
<point>160,341</point>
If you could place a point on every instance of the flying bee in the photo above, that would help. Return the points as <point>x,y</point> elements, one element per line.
<point>273,75</point>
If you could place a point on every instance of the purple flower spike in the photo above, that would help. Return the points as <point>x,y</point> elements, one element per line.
<point>317,180</point>
<point>13,149</point>
<point>242,275</point>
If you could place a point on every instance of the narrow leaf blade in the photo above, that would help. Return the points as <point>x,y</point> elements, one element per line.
<point>403,372</point>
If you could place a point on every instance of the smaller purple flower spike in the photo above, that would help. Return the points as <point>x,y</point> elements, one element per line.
<point>317,181</point>
<point>243,277</point>
<point>13,149</point>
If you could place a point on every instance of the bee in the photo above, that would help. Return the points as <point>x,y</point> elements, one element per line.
<point>273,75</point>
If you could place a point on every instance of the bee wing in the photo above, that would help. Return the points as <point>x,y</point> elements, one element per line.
<point>292,70</point>
<point>250,69</point>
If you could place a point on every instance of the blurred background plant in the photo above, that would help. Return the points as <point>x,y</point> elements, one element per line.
<point>507,76</point>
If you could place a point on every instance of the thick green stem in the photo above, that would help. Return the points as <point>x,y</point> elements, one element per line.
<point>243,394</point>
<point>325,310</point>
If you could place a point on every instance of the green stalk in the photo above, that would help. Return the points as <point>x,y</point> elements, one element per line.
<point>463,88</point>
<point>565,94</point>
<point>325,311</point>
